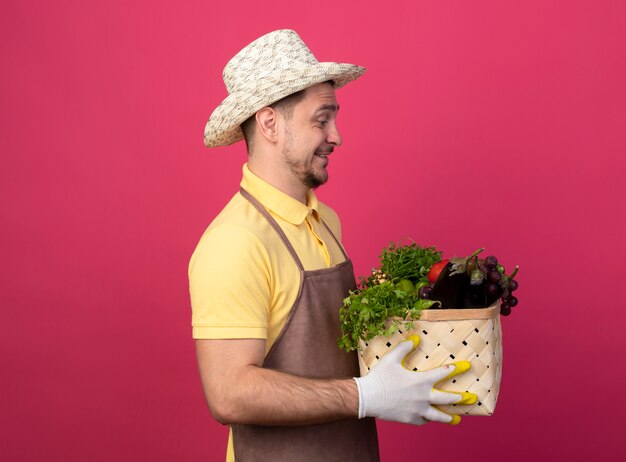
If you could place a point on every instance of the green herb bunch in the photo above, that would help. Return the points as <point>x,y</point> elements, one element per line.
<point>410,261</point>
<point>391,291</point>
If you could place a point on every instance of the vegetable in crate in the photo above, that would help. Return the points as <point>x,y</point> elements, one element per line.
<point>484,282</point>
<point>391,290</point>
<point>410,279</point>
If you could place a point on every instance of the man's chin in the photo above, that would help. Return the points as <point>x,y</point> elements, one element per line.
<point>314,181</point>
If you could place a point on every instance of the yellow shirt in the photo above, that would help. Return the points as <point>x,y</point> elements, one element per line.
<point>242,279</point>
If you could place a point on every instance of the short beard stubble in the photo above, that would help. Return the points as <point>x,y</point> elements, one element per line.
<point>306,175</point>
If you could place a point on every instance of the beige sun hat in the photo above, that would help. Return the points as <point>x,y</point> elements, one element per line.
<point>272,67</point>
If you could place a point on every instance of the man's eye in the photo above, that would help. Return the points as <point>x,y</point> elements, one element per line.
<point>322,122</point>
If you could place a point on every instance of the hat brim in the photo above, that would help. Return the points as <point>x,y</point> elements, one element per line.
<point>223,127</point>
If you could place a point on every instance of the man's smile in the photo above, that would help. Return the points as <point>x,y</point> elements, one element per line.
<point>323,154</point>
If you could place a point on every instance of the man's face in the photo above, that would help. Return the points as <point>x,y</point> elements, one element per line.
<point>311,135</point>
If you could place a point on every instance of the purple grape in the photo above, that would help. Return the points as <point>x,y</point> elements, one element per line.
<point>513,285</point>
<point>512,301</point>
<point>494,276</point>
<point>491,261</point>
<point>493,290</point>
<point>505,311</point>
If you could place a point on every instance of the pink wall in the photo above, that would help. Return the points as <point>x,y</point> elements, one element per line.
<point>493,123</point>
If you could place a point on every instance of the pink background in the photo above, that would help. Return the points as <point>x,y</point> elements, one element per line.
<point>494,123</point>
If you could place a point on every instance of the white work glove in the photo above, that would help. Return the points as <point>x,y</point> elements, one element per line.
<point>392,392</point>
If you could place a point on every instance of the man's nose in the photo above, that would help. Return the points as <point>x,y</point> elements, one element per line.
<point>334,137</point>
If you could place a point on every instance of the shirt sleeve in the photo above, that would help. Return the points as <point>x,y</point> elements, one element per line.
<point>229,284</point>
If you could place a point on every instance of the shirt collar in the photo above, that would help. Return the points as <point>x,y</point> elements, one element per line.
<point>276,201</point>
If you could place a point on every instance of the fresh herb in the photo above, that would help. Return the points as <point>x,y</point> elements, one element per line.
<point>391,291</point>
<point>408,261</point>
<point>364,312</point>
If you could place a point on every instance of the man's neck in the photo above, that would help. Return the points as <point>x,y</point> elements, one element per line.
<point>291,187</point>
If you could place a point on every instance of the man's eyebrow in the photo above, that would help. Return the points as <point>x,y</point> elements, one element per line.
<point>327,107</point>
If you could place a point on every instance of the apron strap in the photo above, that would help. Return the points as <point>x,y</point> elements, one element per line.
<point>336,240</point>
<point>263,211</point>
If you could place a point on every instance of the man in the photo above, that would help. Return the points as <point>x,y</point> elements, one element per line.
<point>270,273</point>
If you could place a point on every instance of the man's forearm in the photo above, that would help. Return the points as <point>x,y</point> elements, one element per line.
<point>239,390</point>
<point>268,397</point>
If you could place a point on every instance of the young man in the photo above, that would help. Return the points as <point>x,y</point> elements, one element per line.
<point>269,275</point>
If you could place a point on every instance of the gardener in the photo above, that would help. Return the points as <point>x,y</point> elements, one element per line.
<point>269,275</point>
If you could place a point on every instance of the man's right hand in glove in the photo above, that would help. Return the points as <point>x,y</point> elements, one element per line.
<point>392,392</point>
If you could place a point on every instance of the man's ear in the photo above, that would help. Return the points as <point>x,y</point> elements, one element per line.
<point>267,123</point>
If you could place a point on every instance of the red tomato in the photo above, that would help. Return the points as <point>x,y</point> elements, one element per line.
<point>435,270</point>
